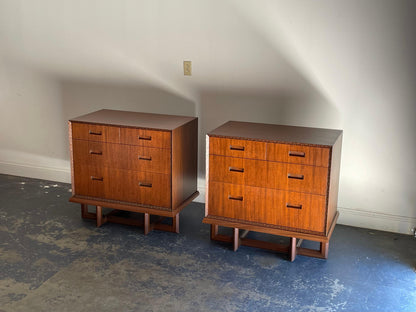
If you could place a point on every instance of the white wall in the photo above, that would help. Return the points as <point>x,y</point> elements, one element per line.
<point>346,64</point>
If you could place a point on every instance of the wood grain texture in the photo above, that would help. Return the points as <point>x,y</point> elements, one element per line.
<point>145,137</point>
<point>133,161</point>
<point>237,148</point>
<point>94,132</point>
<point>333,184</point>
<point>290,182</point>
<point>184,161</point>
<point>298,154</point>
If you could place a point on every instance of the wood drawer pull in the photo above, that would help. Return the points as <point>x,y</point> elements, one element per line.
<point>97,178</point>
<point>294,206</point>
<point>95,153</point>
<point>146,138</point>
<point>295,176</point>
<point>239,198</point>
<point>296,154</point>
<point>149,158</point>
<point>235,169</point>
<point>145,184</point>
<point>236,148</point>
<point>95,132</point>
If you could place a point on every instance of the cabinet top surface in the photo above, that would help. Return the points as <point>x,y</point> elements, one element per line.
<point>134,119</point>
<point>277,133</point>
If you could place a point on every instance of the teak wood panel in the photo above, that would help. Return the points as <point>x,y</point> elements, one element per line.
<point>129,186</point>
<point>184,161</point>
<point>121,156</point>
<point>237,148</point>
<point>287,209</point>
<point>298,154</point>
<point>308,179</point>
<point>93,132</point>
<point>145,137</point>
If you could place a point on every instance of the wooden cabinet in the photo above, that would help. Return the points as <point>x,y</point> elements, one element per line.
<point>132,161</point>
<point>273,179</point>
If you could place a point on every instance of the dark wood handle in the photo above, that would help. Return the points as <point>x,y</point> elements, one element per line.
<point>236,148</point>
<point>296,154</point>
<point>97,178</point>
<point>95,132</point>
<point>149,158</point>
<point>95,153</point>
<point>147,138</point>
<point>235,169</point>
<point>145,184</point>
<point>296,176</point>
<point>239,198</point>
<point>293,206</point>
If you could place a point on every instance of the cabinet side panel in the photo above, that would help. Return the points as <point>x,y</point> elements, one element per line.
<point>71,155</point>
<point>206,174</point>
<point>184,162</point>
<point>334,182</point>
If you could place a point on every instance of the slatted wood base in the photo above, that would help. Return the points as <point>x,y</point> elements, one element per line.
<point>294,248</point>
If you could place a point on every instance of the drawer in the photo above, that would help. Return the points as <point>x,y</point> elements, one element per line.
<point>299,178</point>
<point>238,170</point>
<point>148,159</point>
<point>146,188</point>
<point>93,132</point>
<point>145,137</point>
<point>298,154</point>
<point>90,181</point>
<point>237,148</point>
<point>226,200</point>
<point>288,209</point>
<point>89,153</point>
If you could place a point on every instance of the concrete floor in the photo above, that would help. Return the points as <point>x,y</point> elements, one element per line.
<point>52,260</point>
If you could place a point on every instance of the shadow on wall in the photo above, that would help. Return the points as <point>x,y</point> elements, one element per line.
<point>80,98</point>
<point>307,109</point>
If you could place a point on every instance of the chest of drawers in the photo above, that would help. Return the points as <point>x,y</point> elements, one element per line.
<point>273,179</point>
<point>136,162</point>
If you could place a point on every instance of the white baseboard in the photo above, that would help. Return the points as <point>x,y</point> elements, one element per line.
<point>34,166</point>
<point>356,217</point>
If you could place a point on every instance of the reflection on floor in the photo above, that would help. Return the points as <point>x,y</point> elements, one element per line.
<point>52,260</point>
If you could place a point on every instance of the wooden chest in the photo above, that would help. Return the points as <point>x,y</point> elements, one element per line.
<point>132,161</point>
<point>274,179</point>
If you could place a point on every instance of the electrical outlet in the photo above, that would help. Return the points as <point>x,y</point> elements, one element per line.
<point>187,68</point>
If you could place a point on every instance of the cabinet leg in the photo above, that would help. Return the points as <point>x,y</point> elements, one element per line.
<point>214,231</point>
<point>84,210</point>
<point>146,223</point>
<point>292,248</point>
<point>236,239</point>
<point>324,250</point>
<point>175,223</point>
<point>99,213</point>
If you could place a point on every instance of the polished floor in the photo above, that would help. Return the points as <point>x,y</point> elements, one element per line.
<point>52,260</point>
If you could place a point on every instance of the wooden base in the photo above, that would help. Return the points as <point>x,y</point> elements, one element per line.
<point>294,248</point>
<point>146,223</point>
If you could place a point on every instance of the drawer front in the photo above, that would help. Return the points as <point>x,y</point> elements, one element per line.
<point>90,181</point>
<point>90,153</point>
<point>307,179</point>
<point>288,209</point>
<point>298,154</point>
<point>238,170</point>
<point>237,148</point>
<point>123,185</point>
<point>148,159</point>
<point>226,200</point>
<point>92,132</point>
<point>298,178</point>
<point>145,137</point>
<point>150,189</point>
